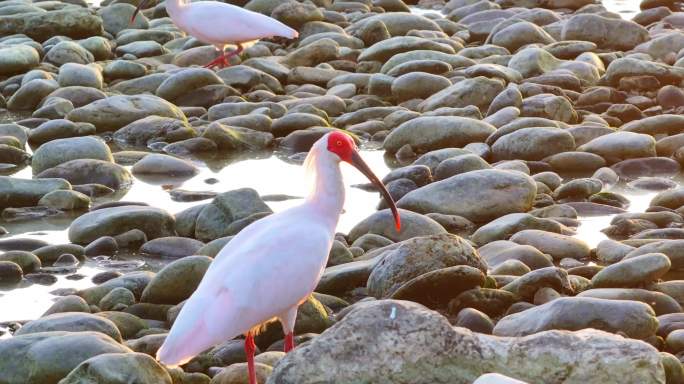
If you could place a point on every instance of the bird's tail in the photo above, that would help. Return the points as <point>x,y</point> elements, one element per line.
<point>188,337</point>
<point>282,30</point>
<point>292,33</point>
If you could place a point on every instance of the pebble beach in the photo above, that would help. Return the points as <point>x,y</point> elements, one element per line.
<point>534,149</point>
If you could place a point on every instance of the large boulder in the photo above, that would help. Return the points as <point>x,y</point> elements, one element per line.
<point>176,281</point>
<point>30,95</point>
<point>186,80</point>
<point>506,226</point>
<point>428,133</point>
<point>532,144</point>
<point>71,322</point>
<point>74,22</point>
<point>117,17</point>
<point>630,66</point>
<point>17,59</point>
<point>619,146</point>
<point>610,33</point>
<point>68,52</point>
<point>385,49</point>
<point>115,112</point>
<point>557,245</point>
<point>60,151</point>
<point>478,91</point>
<point>133,281</point>
<point>240,205</point>
<point>411,258</point>
<point>398,23</point>
<point>47,357</point>
<point>119,368</point>
<point>16,192</point>
<point>477,195</point>
<point>632,318</point>
<point>519,34</point>
<point>403,342</point>
<point>90,171</point>
<point>632,272</point>
<point>382,223</point>
<point>154,222</point>
<point>673,249</point>
<point>154,128</point>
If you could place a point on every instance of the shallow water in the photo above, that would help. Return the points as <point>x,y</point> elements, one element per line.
<point>268,175</point>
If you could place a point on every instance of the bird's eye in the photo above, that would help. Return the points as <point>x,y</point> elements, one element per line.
<point>339,143</point>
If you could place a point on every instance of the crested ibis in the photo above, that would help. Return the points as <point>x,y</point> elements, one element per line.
<point>272,266</point>
<point>222,24</point>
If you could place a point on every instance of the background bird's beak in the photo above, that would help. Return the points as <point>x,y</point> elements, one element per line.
<point>361,165</point>
<point>140,6</point>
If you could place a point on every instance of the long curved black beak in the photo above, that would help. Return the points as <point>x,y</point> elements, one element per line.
<point>361,165</point>
<point>141,5</point>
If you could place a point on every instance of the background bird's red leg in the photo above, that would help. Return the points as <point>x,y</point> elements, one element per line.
<point>250,347</point>
<point>289,342</point>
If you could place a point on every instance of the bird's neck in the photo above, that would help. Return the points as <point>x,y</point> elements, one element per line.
<point>175,8</point>
<point>327,188</point>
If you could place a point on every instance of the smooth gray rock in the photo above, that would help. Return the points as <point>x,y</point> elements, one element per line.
<point>632,272</point>
<point>71,322</point>
<point>17,59</point>
<point>382,223</point>
<point>153,129</point>
<point>176,281</point>
<point>411,258</point>
<point>119,368</point>
<point>634,319</point>
<point>60,151</point>
<point>115,112</point>
<point>478,195</point>
<point>506,226</point>
<point>425,134</point>
<point>68,52</point>
<point>16,192</point>
<point>74,74</point>
<point>154,222</point>
<point>75,23</point>
<point>557,245</point>
<point>47,357</point>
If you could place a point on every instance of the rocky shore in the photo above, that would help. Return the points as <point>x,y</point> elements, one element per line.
<point>504,122</point>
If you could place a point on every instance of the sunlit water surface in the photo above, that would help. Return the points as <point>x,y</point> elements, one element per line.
<point>269,176</point>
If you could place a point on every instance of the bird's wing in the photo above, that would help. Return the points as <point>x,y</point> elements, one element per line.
<point>216,22</point>
<point>267,269</point>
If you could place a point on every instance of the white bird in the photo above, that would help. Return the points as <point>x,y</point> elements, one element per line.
<point>221,24</point>
<point>271,266</point>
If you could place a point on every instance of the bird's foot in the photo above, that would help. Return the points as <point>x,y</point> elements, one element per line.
<point>250,348</point>
<point>289,342</point>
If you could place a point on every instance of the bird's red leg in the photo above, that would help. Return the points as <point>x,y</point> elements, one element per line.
<point>217,61</point>
<point>229,55</point>
<point>250,348</point>
<point>289,342</point>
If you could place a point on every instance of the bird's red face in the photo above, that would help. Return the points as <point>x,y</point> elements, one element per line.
<point>343,146</point>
